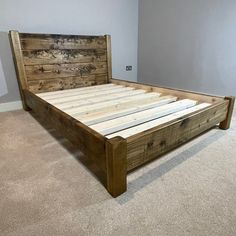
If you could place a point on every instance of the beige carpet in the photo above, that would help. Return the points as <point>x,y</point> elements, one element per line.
<point>46,190</point>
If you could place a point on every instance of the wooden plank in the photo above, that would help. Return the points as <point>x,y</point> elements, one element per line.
<point>181,94</point>
<point>151,124</point>
<point>77,111</point>
<point>76,132</point>
<point>49,85</point>
<point>73,92</point>
<point>109,57</point>
<point>105,102</point>
<point>113,113</point>
<point>77,90</point>
<point>122,103</point>
<point>39,72</point>
<point>51,56</point>
<point>152,143</point>
<point>19,65</point>
<point>116,153</point>
<point>226,123</point>
<point>125,122</point>
<point>75,97</point>
<point>52,41</point>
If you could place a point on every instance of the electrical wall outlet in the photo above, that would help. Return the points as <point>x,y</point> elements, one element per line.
<point>128,68</point>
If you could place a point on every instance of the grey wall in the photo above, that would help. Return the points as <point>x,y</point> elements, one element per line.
<point>118,18</point>
<point>188,44</point>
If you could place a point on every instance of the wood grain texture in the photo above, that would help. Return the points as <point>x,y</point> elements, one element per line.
<point>39,72</point>
<point>59,62</point>
<point>55,56</point>
<point>116,151</point>
<point>47,85</point>
<point>226,123</point>
<point>152,143</point>
<point>57,41</point>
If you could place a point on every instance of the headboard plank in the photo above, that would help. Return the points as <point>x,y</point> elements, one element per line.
<point>54,62</point>
<point>55,56</point>
<point>55,41</point>
<point>67,83</point>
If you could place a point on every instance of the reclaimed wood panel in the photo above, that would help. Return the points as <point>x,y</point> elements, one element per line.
<point>53,56</point>
<point>47,85</point>
<point>56,41</point>
<point>39,72</point>
<point>152,143</point>
<point>54,59</point>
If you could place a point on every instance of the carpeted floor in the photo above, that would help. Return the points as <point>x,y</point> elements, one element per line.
<point>46,190</point>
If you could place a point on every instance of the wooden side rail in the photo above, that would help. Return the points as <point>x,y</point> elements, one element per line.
<point>91,143</point>
<point>154,142</point>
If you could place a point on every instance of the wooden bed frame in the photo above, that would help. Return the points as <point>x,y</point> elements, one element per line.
<point>81,67</point>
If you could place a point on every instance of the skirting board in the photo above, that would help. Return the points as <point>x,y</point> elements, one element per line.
<point>10,106</point>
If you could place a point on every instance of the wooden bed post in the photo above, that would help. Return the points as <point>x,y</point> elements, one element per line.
<point>109,56</point>
<point>19,65</point>
<point>116,154</point>
<point>226,123</point>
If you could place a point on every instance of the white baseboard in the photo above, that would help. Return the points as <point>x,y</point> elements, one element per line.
<point>10,106</point>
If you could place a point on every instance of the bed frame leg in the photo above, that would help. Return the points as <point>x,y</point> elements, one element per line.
<point>116,155</point>
<point>226,123</point>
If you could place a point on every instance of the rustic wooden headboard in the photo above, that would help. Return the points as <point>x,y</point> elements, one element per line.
<point>50,62</point>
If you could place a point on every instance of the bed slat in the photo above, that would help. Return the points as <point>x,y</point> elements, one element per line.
<point>96,107</point>
<point>77,90</point>
<point>125,122</point>
<point>78,96</point>
<point>151,124</point>
<point>124,111</point>
<point>111,101</point>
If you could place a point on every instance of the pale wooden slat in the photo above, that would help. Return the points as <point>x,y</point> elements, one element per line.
<point>110,101</point>
<point>109,92</point>
<point>69,91</point>
<point>125,122</point>
<point>151,124</point>
<point>95,91</point>
<point>97,106</point>
<point>72,93</point>
<point>123,111</point>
